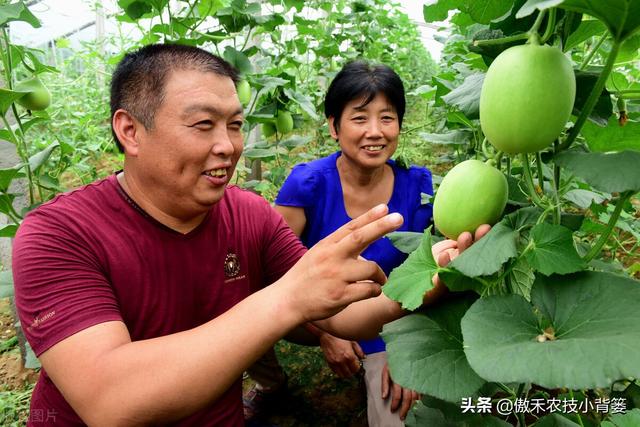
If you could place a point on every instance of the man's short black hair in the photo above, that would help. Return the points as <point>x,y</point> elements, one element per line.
<point>139,80</point>
<point>361,80</point>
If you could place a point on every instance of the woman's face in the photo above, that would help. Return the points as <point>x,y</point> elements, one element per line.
<point>368,135</point>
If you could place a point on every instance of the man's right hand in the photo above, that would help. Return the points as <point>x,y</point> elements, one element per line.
<point>330,276</point>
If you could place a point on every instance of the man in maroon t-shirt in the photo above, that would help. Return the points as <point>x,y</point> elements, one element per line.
<point>145,295</point>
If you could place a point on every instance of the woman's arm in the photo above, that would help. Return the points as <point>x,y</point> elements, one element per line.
<point>294,217</point>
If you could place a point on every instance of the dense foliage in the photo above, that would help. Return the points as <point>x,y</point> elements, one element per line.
<point>544,308</point>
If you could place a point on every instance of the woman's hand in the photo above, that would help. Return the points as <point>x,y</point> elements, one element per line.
<point>401,397</point>
<point>342,356</point>
<point>446,251</point>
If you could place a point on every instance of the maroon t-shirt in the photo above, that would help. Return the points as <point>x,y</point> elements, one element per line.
<point>92,256</point>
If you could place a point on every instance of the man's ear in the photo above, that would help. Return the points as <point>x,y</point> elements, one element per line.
<point>332,128</point>
<point>126,128</point>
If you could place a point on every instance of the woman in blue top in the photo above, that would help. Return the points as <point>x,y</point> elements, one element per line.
<point>364,105</point>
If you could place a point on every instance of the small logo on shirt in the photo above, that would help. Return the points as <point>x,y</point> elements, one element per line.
<point>41,319</point>
<point>231,265</point>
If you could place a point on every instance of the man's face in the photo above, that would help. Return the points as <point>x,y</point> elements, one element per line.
<point>186,160</point>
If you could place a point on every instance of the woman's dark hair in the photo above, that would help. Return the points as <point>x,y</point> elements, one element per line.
<point>361,80</point>
<point>138,82</point>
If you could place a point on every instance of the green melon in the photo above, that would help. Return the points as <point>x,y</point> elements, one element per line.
<point>527,97</point>
<point>471,194</point>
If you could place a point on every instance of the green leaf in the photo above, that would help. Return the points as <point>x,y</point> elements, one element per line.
<point>439,11</point>
<point>622,17</point>
<point>630,419</point>
<point>8,230</point>
<point>5,135</point>
<point>238,60</point>
<point>458,282</point>
<point>409,282</point>
<point>487,255</point>
<point>522,217</point>
<point>426,92</point>
<point>7,97</point>
<point>18,12</point>
<point>425,351</point>
<point>516,195</point>
<point>31,361</point>
<point>457,137</point>
<point>531,5</point>
<point>583,198</point>
<point>586,30</point>
<point>585,81</point>
<point>211,7</point>
<point>631,394</point>
<point>303,101</point>
<point>269,82</point>
<point>483,12</point>
<point>629,50</point>
<point>613,137</point>
<point>520,279</point>
<point>298,4</point>
<point>552,250</point>
<point>260,153</point>
<point>555,420</point>
<point>6,284</point>
<point>592,316</point>
<point>609,172</point>
<point>6,176</point>
<point>41,157</point>
<point>405,241</point>
<point>295,141</point>
<point>135,9</point>
<point>432,412</point>
<point>466,97</point>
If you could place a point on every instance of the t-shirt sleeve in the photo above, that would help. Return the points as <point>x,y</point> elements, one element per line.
<point>60,288</point>
<point>299,188</point>
<point>424,212</point>
<point>281,248</point>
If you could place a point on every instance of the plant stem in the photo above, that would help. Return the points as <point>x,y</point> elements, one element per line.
<point>577,413</point>
<point>485,149</point>
<point>520,416</point>
<point>528,179</point>
<point>593,51</point>
<point>534,37</point>
<point>597,247</point>
<point>413,129</point>
<point>506,389</point>
<point>540,172</point>
<point>498,159</point>
<point>593,97</point>
<point>556,186</point>
<point>522,36</point>
<point>23,151</point>
<point>551,23</point>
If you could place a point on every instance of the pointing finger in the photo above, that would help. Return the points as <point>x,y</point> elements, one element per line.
<point>356,241</point>
<point>373,214</point>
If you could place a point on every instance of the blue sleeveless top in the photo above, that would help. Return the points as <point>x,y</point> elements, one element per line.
<point>315,186</point>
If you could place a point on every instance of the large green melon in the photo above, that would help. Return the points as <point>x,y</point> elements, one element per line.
<point>471,194</point>
<point>527,97</point>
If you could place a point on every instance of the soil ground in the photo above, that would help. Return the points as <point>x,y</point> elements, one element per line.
<point>316,397</point>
